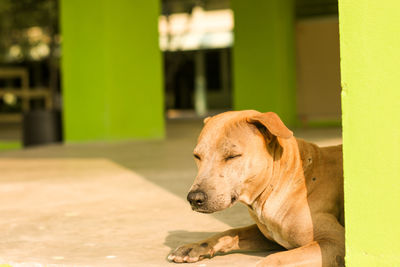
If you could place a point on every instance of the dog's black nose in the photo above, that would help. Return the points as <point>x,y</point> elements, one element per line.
<point>197,198</point>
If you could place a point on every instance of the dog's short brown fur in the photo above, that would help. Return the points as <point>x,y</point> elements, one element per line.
<point>293,190</point>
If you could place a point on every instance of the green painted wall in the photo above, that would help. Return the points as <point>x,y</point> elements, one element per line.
<point>112,70</point>
<point>264,57</point>
<point>370,58</point>
<point>10,145</point>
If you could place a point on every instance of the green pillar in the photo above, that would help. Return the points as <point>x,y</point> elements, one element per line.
<point>112,70</point>
<point>370,56</point>
<point>264,58</point>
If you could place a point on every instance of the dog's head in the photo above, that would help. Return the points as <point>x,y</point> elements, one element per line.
<point>233,150</point>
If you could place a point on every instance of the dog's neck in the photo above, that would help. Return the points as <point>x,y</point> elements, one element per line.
<point>284,174</point>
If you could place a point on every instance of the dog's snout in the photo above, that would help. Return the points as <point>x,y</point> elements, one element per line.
<point>197,198</point>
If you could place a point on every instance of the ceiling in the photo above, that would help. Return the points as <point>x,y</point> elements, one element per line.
<point>304,8</point>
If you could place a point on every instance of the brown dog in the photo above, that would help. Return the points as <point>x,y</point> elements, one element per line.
<point>293,190</point>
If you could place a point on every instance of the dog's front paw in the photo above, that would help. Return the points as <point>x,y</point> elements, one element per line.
<point>190,253</point>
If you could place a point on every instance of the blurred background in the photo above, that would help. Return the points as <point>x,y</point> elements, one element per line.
<point>101,103</point>
<point>72,71</point>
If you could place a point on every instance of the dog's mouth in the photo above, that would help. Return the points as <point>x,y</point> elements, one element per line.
<point>234,198</point>
<point>205,211</point>
<point>202,210</point>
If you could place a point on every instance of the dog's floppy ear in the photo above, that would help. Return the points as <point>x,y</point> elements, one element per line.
<point>272,123</point>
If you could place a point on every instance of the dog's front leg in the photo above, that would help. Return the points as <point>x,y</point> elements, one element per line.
<point>246,238</point>
<point>311,255</point>
<point>327,249</point>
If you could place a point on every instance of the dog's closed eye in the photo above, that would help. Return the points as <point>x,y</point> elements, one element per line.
<point>197,156</point>
<point>232,157</point>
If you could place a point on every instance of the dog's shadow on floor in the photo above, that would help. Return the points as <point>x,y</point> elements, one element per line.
<point>177,238</point>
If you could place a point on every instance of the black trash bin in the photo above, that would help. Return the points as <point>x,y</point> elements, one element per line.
<point>41,127</point>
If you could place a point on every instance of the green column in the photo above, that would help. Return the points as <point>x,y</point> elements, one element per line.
<point>370,58</point>
<point>111,70</point>
<point>264,58</point>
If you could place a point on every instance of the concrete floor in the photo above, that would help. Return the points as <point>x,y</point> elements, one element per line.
<point>112,204</point>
